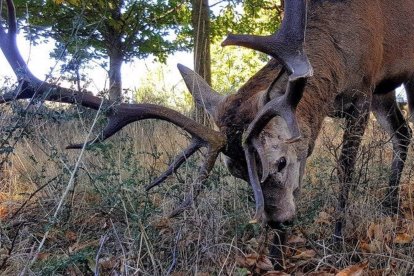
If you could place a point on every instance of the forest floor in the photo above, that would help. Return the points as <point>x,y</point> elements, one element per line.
<point>65,215</point>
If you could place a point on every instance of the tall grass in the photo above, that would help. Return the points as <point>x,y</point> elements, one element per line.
<point>110,225</point>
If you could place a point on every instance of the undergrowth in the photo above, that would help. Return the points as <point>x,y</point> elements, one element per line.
<point>109,225</point>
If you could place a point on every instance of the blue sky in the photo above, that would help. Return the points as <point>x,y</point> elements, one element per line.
<point>41,64</point>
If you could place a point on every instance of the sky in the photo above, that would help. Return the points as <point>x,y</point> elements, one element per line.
<point>41,64</point>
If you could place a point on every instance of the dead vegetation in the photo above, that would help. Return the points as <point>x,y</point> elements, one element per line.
<point>60,215</point>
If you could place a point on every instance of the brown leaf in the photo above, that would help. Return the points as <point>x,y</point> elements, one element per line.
<point>251,259</point>
<point>276,273</point>
<point>79,246</point>
<point>364,246</point>
<point>294,239</point>
<point>4,212</point>
<point>375,231</point>
<point>403,238</point>
<point>108,262</point>
<point>71,236</point>
<point>241,261</point>
<point>264,263</point>
<point>43,256</point>
<point>163,223</point>
<point>320,273</point>
<point>324,218</point>
<point>353,270</point>
<point>307,254</point>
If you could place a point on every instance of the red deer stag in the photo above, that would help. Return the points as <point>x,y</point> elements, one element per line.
<point>360,50</point>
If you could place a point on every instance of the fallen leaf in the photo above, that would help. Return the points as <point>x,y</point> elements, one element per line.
<point>3,197</point>
<point>276,273</point>
<point>71,236</point>
<point>108,262</point>
<point>253,243</point>
<point>375,231</point>
<point>43,256</point>
<point>320,273</point>
<point>307,254</point>
<point>162,223</point>
<point>324,218</point>
<point>353,270</point>
<point>403,238</point>
<point>4,212</point>
<point>264,263</point>
<point>241,261</point>
<point>79,246</point>
<point>296,240</point>
<point>364,246</point>
<point>251,259</point>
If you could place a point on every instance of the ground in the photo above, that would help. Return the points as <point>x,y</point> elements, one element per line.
<point>100,219</point>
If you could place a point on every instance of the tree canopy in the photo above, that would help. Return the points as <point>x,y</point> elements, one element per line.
<point>117,31</point>
<point>114,31</point>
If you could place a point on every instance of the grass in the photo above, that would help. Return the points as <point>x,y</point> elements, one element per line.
<point>108,224</point>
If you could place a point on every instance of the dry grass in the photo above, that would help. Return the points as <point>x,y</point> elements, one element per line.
<point>109,224</point>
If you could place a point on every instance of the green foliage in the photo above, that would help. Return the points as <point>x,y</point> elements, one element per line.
<point>249,17</point>
<point>232,67</point>
<point>158,88</point>
<point>91,29</point>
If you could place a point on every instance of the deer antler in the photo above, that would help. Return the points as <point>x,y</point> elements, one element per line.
<point>119,115</point>
<point>287,46</point>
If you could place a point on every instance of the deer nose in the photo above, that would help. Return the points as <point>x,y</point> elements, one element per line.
<point>280,225</point>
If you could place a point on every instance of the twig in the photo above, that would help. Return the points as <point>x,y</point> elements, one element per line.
<point>174,260</point>
<point>10,250</point>
<point>120,243</point>
<point>32,195</point>
<point>102,241</point>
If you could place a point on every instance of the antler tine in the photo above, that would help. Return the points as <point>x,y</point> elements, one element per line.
<point>263,159</point>
<point>255,183</point>
<point>283,106</point>
<point>179,160</point>
<point>124,114</point>
<point>203,173</point>
<point>287,44</point>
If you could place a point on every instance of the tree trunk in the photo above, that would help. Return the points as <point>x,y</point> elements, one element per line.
<point>116,55</point>
<point>115,78</point>
<point>202,58</point>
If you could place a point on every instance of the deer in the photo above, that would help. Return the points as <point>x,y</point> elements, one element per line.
<point>351,58</point>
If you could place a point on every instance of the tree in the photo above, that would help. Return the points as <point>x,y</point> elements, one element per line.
<point>113,32</point>
<point>201,29</point>
<point>256,16</point>
<point>201,35</point>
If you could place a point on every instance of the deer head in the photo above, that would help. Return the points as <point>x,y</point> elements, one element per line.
<point>260,151</point>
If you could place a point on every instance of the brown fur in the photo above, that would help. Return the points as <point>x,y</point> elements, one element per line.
<point>358,48</point>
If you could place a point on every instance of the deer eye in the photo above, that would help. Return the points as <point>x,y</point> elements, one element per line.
<point>281,164</point>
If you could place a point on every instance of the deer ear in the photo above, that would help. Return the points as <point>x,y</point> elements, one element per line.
<point>203,94</point>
